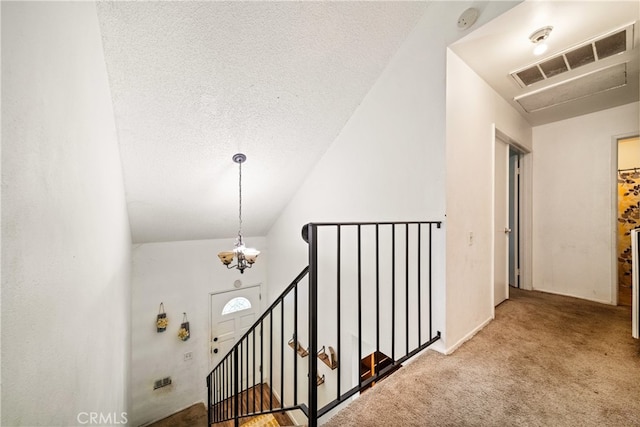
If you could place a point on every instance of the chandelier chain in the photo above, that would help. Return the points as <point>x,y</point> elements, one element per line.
<point>240,200</point>
<point>245,257</point>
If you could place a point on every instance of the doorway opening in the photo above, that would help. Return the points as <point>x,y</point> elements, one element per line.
<point>628,211</point>
<point>515,160</point>
<point>509,227</point>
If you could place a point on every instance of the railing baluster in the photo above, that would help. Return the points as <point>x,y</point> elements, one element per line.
<point>240,369</point>
<point>393,292</point>
<point>218,401</point>
<point>295,345</point>
<point>419,285</point>
<point>282,349</point>
<point>313,325</point>
<point>271,361</point>
<point>246,389</point>
<point>236,397</point>
<point>227,395</point>
<point>430,310</point>
<point>218,412</point>
<point>244,384</point>
<point>377,288</point>
<point>406,280</point>
<point>261,367</point>
<point>338,309</point>
<point>360,305</point>
<point>253,361</point>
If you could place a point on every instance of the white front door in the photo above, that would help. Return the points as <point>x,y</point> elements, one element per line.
<point>501,223</point>
<point>232,314</point>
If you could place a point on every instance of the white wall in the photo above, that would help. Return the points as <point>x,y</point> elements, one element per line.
<point>473,108</point>
<point>574,168</point>
<point>66,246</point>
<point>388,163</point>
<point>181,275</point>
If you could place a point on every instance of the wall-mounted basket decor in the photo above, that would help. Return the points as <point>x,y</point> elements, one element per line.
<point>161,321</point>
<point>298,348</point>
<point>184,333</point>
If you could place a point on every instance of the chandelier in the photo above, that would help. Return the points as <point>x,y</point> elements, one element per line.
<point>245,257</point>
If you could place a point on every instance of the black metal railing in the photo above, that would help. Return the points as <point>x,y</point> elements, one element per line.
<point>368,290</point>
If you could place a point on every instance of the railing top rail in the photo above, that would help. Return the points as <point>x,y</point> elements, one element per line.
<point>322,224</point>
<point>305,231</point>
<point>268,311</point>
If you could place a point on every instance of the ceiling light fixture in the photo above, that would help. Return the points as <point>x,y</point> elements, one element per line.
<point>245,257</point>
<point>538,37</point>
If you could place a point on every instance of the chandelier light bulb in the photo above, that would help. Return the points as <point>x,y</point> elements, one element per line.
<point>540,49</point>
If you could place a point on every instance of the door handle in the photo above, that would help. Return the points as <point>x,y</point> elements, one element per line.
<point>215,339</point>
<point>215,351</point>
<point>507,230</point>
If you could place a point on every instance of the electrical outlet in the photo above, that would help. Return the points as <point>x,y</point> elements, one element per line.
<point>188,355</point>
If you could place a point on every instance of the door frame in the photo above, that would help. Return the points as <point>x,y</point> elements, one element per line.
<point>526,204</point>
<point>614,212</point>
<point>514,207</point>
<point>227,291</point>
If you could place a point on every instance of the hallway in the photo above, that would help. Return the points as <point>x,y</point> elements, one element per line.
<point>546,360</point>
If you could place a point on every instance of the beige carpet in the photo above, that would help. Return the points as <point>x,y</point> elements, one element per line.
<point>545,360</point>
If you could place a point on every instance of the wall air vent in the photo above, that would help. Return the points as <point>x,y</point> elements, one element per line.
<point>580,87</point>
<point>613,43</point>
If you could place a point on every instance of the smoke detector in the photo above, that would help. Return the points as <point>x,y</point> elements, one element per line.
<point>468,18</point>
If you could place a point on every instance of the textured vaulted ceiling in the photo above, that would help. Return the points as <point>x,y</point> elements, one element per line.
<point>195,82</point>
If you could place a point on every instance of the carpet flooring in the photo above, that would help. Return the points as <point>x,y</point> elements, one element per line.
<point>546,360</point>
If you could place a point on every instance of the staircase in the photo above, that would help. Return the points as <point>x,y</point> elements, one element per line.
<point>362,305</point>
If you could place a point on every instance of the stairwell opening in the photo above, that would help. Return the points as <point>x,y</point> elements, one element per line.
<point>374,363</point>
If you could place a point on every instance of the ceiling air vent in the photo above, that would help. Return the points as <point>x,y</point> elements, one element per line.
<point>580,87</point>
<point>595,50</point>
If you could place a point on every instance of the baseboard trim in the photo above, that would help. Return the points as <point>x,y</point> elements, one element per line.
<point>547,291</point>
<point>467,337</point>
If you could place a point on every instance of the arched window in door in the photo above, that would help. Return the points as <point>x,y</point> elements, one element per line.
<point>236,304</point>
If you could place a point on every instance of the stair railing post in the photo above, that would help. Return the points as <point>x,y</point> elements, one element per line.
<point>313,324</point>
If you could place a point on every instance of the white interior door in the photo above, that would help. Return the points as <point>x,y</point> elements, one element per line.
<point>232,314</point>
<point>501,223</point>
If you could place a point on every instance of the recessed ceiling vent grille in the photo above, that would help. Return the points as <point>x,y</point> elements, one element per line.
<point>612,44</point>
<point>602,80</point>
